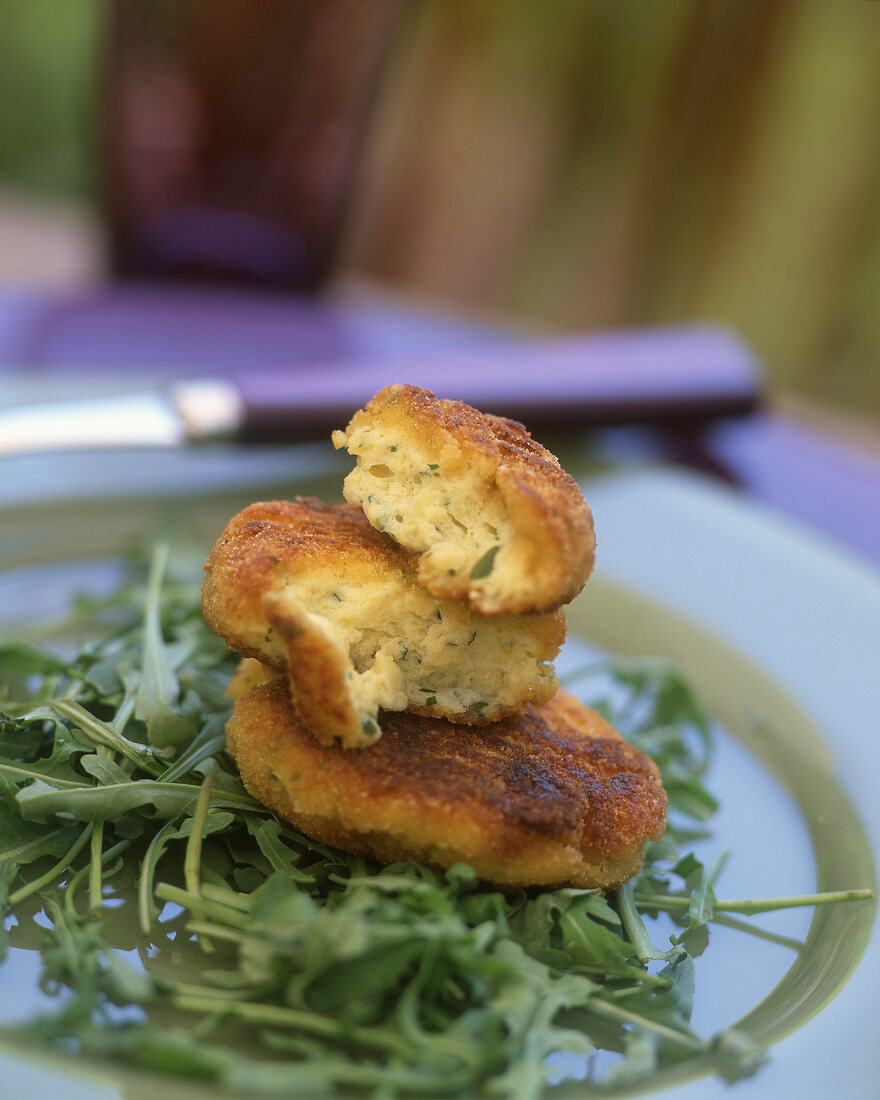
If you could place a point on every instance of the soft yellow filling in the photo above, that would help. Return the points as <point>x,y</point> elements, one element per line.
<point>435,504</point>
<point>417,651</point>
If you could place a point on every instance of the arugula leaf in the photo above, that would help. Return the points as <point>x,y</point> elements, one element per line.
<point>41,800</point>
<point>271,963</point>
<point>24,658</point>
<point>159,691</point>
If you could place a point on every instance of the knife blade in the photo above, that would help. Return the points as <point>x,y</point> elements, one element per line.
<point>659,376</point>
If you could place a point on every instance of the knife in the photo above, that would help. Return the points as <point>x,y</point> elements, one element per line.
<point>656,376</point>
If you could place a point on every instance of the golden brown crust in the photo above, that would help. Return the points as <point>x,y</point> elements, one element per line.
<point>553,526</point>
<point>267,591</point>
<point>549,797</point>
<point>318,670</point>
<point>269,541</point>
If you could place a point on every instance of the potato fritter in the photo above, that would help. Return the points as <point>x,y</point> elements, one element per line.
<point>495,518</point>
<point>548,797</point>
<point>313,589</point>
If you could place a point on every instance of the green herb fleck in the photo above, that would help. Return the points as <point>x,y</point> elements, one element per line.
<point>483,566</point>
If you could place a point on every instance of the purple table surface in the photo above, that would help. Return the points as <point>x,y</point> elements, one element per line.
<point>122,338</point>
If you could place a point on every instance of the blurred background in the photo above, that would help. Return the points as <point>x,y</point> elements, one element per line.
<point>575,164</point>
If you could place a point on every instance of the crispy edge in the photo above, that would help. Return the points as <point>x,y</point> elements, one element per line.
<point>553,796</point>
<point>268,538</point>
<point>317,680</point>
<point>544,502</point>
<point>254,551</point>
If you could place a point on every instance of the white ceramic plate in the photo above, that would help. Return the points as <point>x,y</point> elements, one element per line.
<point>806,617</point>
<point>779,634</point>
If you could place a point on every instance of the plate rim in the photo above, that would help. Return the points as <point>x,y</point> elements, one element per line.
<point>145,504</point>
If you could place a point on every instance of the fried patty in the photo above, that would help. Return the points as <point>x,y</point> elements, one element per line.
<point>313,589</point>
<point>496,520</point>
<point>548,797</point>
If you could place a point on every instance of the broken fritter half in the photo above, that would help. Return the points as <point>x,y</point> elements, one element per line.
<point>314,590</point>
<point>549,797</point>
<point>495,519</point>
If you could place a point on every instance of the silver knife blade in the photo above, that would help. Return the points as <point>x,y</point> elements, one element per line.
<point>624,377</point>
<point>197,409</point>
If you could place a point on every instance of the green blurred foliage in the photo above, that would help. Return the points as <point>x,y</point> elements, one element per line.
<point>583,163</point>
<point>589,163</point>
<point>47,92</point>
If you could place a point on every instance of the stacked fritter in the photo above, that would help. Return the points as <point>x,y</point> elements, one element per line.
<point>405,703</point>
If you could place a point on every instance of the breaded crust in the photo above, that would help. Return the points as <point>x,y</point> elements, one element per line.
<point>313,589</point>
<point>496,519</point>
<point>549,797</point>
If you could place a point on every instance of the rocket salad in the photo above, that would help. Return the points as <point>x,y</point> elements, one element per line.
<point>185,929</point>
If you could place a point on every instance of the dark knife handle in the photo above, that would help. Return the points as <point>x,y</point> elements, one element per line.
<point>657,376</point>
